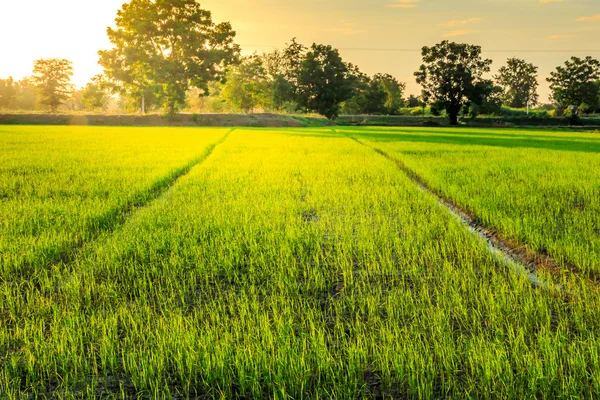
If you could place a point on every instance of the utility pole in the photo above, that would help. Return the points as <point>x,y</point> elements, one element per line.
<point>143,104</point>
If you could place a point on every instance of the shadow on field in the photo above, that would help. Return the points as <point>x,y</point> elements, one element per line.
<point>309,134</point>
<point>481,139</point>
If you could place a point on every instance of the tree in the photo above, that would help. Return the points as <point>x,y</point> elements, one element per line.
<point>74,102</point>
<point>167,46</point>
<point>283,68</point>
<point>394,91</point>
<point>324,81</point>
<point>360,82</point>
<point>574,83</point>
<point>448,73</point>
<point>414,101</point>
<point>519,83</point>
<point>27,95</point>
<point>94,95</point>
<point>52,78</point>
<point>8,93</point>
<point>484,98</point>
<point>247,86</point>
<point>294,56</point>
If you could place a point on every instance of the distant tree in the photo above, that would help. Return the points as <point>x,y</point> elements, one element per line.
<point>283,68</point>
<point>448,74</point>
<point>52,78</point>
<point>247,86</point>
<point>598,101</point>
<point>294,56</point>
<point>27,97</point>
<point>167,46</point>
<point>324,81</point>
<point>8,93</point>
<point>95,95</point>
<point>274,63</point>
<point>394,90</point>
<point>574,83</point>
<point>414,101</point>
<point>375,98</point>
<point>283,94</point>
<point>519,82</point>
<point>357,104</point>
<point>484,98</point>
<point>74,102</point>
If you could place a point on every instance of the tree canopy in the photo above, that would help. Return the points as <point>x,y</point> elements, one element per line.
<point>519,81</point>
<point>168,46</point>
<point>324,81</point>
<point>449,73</point>
<point>574,84</point>
<point>52,78</point>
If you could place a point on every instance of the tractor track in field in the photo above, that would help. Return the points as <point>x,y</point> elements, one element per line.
<point>118,216</point>
<point>514,255</point>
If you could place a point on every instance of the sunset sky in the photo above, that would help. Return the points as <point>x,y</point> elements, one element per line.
<point>545,32</point>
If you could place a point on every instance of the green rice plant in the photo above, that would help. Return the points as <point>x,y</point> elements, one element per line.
<point>61,186</point>
<point>536,188</point>
<point>294,263</point>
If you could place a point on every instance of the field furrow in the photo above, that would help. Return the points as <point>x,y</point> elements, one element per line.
<point>59,190</point>
<point>535,191</point>
<point>294,264</point>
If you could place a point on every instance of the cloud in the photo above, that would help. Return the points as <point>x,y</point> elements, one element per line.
<point>348,28</point>
<point>454,24</point>
<point>404,4</point>
<point>591,18</point>
<point>459,32</point>
<point>559,37</point>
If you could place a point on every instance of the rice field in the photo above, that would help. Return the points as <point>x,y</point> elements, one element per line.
<point>541,189</point>
<point>293,264</point>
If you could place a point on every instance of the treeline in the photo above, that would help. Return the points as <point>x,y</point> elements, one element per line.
<point>300,79</point>
<point>171,56</point>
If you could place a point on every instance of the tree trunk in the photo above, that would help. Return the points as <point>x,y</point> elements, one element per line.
<point>453,116</point>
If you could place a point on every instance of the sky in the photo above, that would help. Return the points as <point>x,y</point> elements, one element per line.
<point>378,35</point>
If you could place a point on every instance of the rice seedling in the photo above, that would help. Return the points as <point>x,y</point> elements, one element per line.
<point>293,264</point>
<point>540,189</point>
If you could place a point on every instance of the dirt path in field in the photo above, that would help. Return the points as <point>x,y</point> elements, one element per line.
<point>113,219</point>
<point>516,256</point>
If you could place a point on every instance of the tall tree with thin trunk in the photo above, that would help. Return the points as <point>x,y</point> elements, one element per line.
<point>519,81</point>
<point>52,78</point>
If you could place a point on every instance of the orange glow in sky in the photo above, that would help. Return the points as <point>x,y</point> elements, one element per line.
<point>545,32</point>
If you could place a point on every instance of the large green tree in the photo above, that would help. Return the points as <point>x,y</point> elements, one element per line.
<point>324,81</point>
<point>574,84</point>
<point>168,46</point>
<point>449,73</point>
<point>52,78</point>
<point>519,81</point>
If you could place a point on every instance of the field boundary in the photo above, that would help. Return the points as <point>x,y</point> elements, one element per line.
<point>118,216</point>
<point>517,256</point>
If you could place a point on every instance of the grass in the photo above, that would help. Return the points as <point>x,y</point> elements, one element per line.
<point>286,264</point>
<point>537,188</point>
<point>60,187</point>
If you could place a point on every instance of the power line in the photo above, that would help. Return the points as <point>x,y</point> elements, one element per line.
<point>540,51</point>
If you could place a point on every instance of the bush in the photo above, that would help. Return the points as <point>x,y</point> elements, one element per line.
<point>415,112</point>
